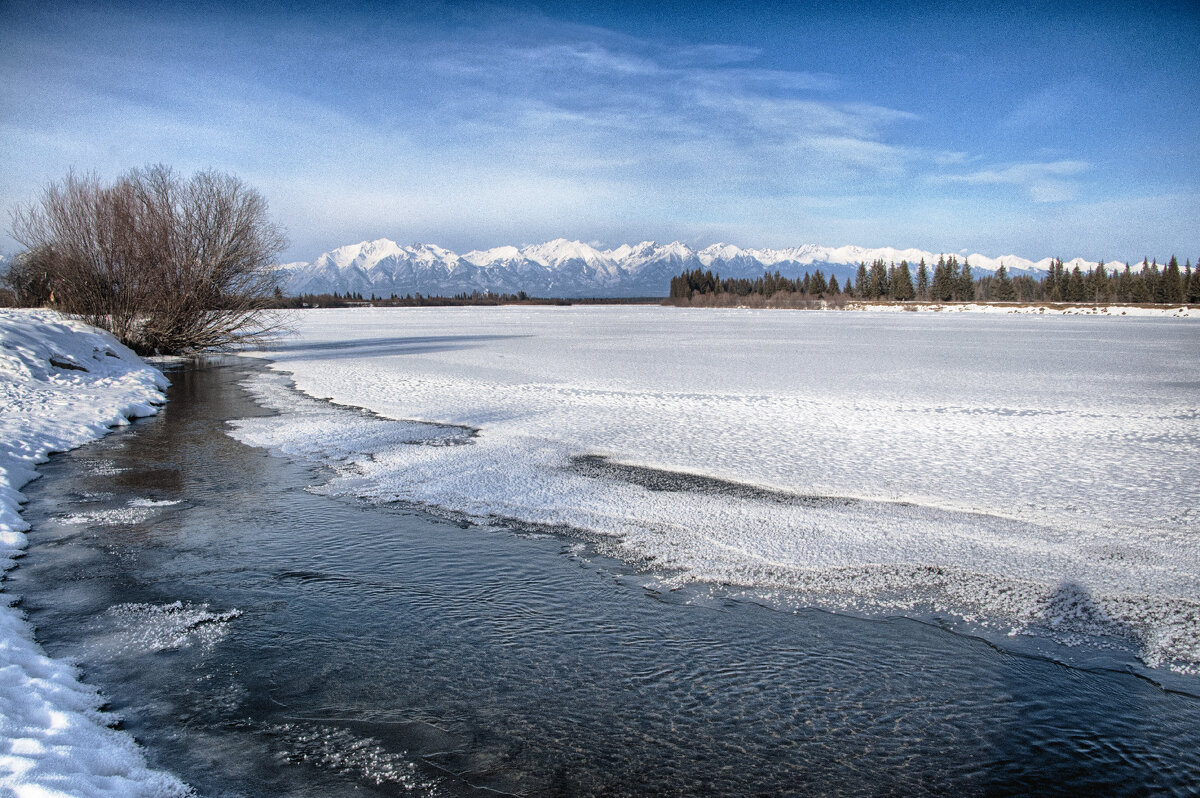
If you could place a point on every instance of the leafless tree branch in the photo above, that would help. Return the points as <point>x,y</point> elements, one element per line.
<point>167,264</point>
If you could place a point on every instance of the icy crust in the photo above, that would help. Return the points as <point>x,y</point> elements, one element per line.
<point>62,384</point>
<point>142,628</point>
<point>1037,491</point>
<point>340,751</point>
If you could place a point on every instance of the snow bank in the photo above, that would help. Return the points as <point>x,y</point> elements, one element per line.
<point>1173,311</point>
<point>62,384</point>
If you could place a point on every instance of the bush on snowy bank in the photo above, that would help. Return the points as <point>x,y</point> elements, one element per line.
<point>169,265</point>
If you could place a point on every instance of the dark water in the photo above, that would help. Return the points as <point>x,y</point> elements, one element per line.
<point>262,640</point>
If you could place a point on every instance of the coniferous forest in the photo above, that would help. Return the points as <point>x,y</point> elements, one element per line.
<point>951,281</point>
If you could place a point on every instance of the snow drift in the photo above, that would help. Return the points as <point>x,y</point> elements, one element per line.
<point>62,384</point>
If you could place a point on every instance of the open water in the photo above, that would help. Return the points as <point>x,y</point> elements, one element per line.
<point>261,640</point>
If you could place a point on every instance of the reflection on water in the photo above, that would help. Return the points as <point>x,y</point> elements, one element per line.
<point>261,640</point>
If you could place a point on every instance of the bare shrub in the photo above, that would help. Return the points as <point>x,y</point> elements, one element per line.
<point>25,281</point>
<point>167,264</point>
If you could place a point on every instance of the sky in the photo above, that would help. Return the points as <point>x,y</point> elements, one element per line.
<point>1033,129</point>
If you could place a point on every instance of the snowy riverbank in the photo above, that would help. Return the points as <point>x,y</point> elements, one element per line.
<point>62,384</point>
<point>1152,311</point>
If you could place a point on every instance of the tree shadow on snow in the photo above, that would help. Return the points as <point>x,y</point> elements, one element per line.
<point>374,347</point>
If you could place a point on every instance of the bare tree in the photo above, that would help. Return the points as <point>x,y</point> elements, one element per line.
<point>25,281</point>
<point>167,264</point>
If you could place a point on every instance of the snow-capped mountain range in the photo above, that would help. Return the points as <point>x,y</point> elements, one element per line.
<point>562,268</point>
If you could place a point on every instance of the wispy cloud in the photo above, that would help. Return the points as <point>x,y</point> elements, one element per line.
<point>562,116</point>
<point>1052,181</point>
<point>1063,103</point>
<point>473,127</point>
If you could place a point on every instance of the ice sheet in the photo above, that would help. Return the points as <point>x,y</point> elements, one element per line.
<point>1027,474</point>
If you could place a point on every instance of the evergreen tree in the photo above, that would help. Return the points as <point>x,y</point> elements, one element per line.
<point>860,281</point>
<point>818,285</point>
<point>1050,284</point>
<point>1096,283</point>
<point>1172,290</point>
<point>1001,286</point>
<point>902,287</point>
<point>1151,281</point>
<point>1139,290</point>
<point>877,283</point>
<point>1125,285</point>
<point>942,289</point>
<point>966,283</point>
<point>1076,291</point>
<point>678,290</point>
<point>952,277</point>
<point>834,288</point>
<point>922,281</point>
<point>1193,291</point>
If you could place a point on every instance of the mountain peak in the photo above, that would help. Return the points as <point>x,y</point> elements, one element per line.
<point>566,268</point>
<point>560,250</point>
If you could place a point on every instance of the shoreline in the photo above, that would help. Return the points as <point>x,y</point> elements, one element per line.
<point>720,302</point>
<point>64,385</point>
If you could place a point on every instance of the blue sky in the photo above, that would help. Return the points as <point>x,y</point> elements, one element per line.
<point>1033,129</point>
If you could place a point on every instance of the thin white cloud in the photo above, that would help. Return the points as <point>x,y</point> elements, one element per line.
<point>1045,182</point>
<point>514,129</point>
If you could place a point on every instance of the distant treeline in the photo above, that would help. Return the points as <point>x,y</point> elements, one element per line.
<point>950,281</point>
<point>354,299</point>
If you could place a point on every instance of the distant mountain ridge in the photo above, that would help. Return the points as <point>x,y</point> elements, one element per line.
<point>572,269</point>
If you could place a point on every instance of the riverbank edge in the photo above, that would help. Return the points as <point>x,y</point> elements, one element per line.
<point>784,301</point>
<point>63,385</point>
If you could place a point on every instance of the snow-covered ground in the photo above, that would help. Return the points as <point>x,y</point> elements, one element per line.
<point>1030,475</point>
<point>62,384</point>
<point>1161,311</point>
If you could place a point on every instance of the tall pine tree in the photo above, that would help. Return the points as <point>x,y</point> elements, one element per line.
<point>942,289</point>
<point>1002,287</point>
<point>818,285</point>
<point>902,287</point>
<point>966,283</point>
<point>1172,290</point>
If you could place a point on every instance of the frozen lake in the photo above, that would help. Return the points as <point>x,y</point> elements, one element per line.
<point>262,638</point>
<point>1028,478</point>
